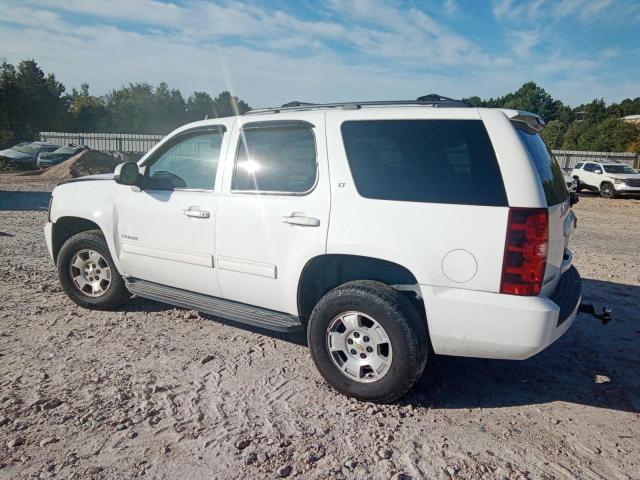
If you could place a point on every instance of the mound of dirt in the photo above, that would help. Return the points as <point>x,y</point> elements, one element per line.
<point>87,162</point>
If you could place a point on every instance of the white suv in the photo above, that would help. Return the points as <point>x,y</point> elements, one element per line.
<point>609,179</point>
<point>389,231</point>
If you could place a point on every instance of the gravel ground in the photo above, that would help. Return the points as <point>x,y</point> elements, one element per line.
<point>164,393</point>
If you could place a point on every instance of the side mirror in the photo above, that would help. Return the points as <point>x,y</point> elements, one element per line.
<point>127,173</point>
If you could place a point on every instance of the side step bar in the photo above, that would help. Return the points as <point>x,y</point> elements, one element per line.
<point>218,307</point>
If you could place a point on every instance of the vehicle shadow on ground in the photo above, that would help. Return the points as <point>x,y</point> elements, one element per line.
<point>19,201</point>
<point>592,364</point>
<point>138,304</point>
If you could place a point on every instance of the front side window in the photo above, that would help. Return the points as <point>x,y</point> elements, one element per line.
<point>435,161</point>
<point>276,159</point>
<point>190,163</point>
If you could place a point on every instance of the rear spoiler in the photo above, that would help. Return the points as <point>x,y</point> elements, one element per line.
<point>530,120</point>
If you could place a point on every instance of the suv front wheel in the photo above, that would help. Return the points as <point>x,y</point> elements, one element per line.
<point>87,272</point>
<point>607,190</point>
<point>368,341</point>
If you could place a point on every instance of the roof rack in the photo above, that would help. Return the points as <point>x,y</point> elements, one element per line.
<point>431,100</point>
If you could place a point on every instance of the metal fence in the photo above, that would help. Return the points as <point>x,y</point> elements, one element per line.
<point>106,142</point>
<point>568,158</point>
<point>139,144</point>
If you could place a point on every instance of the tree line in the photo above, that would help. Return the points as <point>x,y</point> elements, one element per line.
<point>32,101</point>
<point>590,126</point>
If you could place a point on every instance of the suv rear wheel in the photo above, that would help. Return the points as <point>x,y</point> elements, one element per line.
<point>607,190</point>
<point>87,272</point>
<point>368,341</point>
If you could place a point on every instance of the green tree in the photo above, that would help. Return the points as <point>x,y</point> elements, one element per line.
<point>41,98</point>
<point>226,105</point>
<point>199,106</point>
<point>553,134</point>
<point>87,112</point>
<point>11,114</point>
<point>170,109</point>
<point>131,108</point>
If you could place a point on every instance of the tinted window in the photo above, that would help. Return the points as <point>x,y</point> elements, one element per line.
<point>621,168</point>
<point>190,163</point>
<point>579,165</point>
<point>276,159</point>
<point>67,150</point>
<point>550,173</point>
<point>438,161</point>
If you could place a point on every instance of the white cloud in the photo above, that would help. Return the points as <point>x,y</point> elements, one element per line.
<point>450,7</point>
<point>523,42</point>
<point>269,56</point>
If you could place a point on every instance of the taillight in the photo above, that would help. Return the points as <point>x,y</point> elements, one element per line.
<point>525,251</point>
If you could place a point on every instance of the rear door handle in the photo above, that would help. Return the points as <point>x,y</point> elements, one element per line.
<point>302,221</point>
<point>196,213</point>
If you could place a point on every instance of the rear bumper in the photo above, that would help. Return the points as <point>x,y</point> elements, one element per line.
<point>491,325</point>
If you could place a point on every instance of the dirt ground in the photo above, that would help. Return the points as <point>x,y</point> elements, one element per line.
<point>167,393</point>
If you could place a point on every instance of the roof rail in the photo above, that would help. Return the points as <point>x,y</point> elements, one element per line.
<point>431,100</point>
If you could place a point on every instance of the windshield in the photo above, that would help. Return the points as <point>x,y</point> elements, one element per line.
<point>26,149</point>
<point>550,173</point>
<point>621,168</point>
<point>66,150</point>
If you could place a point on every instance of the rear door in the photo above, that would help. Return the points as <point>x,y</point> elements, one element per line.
<point>561,217</point>
<point>273,212</point>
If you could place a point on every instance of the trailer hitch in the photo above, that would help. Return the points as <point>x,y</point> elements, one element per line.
<point>605,317</point>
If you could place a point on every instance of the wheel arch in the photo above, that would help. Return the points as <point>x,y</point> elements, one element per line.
<point>325,272</point>
<point>66,227</point>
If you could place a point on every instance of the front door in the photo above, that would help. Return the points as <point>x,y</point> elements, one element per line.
<point>273,210</point>
<point>166,231</point>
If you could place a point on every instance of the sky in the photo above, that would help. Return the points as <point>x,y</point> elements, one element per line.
<point>272,52</point>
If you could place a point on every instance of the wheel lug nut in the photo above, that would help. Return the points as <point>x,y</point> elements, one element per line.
<point>369,349</point>
<point>362,355</point>
<point>356,334</point>
<point>365,338</point>
<point>349,341</point>
<point>353,352</point>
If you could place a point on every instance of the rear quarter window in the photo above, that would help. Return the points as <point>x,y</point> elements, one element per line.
<point>550,173</point>
<point>432,161</point>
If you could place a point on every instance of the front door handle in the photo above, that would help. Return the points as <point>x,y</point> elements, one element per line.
<point>196,213</point>
<point>302,221</point>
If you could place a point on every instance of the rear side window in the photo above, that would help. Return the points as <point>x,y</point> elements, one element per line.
<point>276,159</point>
<point>578,165</point>
<point>550,173</point>
<point>434,161</point>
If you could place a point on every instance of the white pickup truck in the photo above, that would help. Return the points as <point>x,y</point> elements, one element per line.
<point>390,231</point>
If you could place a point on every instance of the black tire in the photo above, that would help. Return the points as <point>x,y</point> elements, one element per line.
<point>579,186</point>
<point>403,324</point>
<point>114,296</point>
<point>607,190</point>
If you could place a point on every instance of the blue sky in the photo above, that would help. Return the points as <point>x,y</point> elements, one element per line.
<point>271,52</point>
